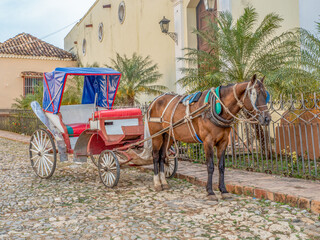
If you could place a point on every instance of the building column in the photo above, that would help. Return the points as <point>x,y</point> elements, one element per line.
<point>179,29</point>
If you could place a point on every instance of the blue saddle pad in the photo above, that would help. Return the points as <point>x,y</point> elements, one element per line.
<point>194,97</point>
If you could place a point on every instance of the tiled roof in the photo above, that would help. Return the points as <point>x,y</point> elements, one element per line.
<point>31,74</point>
<point>29,46</point>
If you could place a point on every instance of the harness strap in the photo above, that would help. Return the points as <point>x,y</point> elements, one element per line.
<point>164,111</point>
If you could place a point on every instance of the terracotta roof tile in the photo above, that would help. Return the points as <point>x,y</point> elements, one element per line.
<point>31,74</point>
<point>27,45</point>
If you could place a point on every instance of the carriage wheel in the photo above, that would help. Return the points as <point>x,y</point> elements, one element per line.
<point>43,154</point>
<point>109,168</point>
<point>171,164</point>
<point>94,159</point>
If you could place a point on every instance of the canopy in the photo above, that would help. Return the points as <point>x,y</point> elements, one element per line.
<point>101,81</point>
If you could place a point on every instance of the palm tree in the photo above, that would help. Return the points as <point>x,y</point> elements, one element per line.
<point>242,48</point>
<point>139,75</point>
<point>23,102</point>
<point>310,51</point>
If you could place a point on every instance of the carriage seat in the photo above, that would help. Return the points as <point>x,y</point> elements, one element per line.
<point>118,113</point>
<point>75,129</point>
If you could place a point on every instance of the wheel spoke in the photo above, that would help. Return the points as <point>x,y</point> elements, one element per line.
<point>41,140</point>
<point>45,146</point>
<point>47,154</point>
<point>34,157</point>
<point>39,165</point>
<point>106,178</point>
<point>37,139</point>
<point>112,177</point>
<point>32,150</point>
<point>48,160</point>
<point>36,147</point>
<point>36,162</point>
<point>47,150</point>
<point>45,165</point>
<point>42,167</point>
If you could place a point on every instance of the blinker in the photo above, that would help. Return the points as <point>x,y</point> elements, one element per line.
<point>268,97</point>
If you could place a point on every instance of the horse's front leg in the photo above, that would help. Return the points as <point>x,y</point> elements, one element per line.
<point>156,145</point>
<point>221,150</point>
<point>208,148</point>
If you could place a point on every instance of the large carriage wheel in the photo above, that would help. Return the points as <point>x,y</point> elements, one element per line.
<point>171,164</point>
<point>109,168</point>
<point>43,154</point>
<point>94,159</point>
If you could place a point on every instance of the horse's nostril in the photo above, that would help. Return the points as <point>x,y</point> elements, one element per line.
<point>267,119</point>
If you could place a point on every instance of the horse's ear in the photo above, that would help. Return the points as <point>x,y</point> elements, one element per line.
<point>254,78</point>
<point>263,79</point>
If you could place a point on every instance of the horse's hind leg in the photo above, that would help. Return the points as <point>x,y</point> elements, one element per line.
<point>208,148</point>
<point>221,150</point>
<point>163,155</point>
<point>156,146</point>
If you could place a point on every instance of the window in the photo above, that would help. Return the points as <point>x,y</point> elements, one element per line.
<point>122,12</point>
<point>32,84</point>
<point>84,46</point>
<point>100,32</point>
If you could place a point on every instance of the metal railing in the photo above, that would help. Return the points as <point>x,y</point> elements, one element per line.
<point>290,145</point>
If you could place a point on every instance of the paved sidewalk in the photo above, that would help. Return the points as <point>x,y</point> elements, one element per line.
<point>295,192</point>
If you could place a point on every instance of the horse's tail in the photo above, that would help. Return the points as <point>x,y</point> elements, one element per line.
<point>147,145</point>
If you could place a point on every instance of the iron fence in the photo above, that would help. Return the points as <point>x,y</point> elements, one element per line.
<point>290,145</point>
<point>19,121</point>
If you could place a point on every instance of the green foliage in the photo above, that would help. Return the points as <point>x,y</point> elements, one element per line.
<point>238,50</point>
<point>310,51</point>
<point>139,75</point>
<point>73,92</point>
<point>23,102</point>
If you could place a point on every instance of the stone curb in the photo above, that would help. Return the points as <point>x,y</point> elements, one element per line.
<point>293,201</point>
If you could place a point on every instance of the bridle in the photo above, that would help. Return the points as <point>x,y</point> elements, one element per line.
<point>249,92</point>
<point>252,94</point>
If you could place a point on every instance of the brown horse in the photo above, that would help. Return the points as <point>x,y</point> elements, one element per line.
<point>207,126</point>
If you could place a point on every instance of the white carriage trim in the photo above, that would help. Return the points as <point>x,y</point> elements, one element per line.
<point>76,113</point>
<point>73,141</point>
<point>55,120</point>
<point>95,124</point>
<point>115,128</point>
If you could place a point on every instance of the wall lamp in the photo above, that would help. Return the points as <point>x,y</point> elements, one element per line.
<point>210,5</point>
<point>164,25</point>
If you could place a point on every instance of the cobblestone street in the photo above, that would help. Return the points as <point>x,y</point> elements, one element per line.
<point>74,204</point>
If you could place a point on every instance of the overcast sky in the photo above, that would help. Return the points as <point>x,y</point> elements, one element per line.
<point>40,18</point>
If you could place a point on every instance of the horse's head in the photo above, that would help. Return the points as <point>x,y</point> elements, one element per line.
<point>256,98</point>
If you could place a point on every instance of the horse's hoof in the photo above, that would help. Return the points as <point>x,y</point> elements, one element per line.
<point>226,196</point>
<point>158,188</point>
<point>165,186</point>
<point>212,198</point>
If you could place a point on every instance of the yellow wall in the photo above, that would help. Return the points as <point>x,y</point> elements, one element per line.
<point>140,32</point>
<point>287,9</point>
<point>11,82</point>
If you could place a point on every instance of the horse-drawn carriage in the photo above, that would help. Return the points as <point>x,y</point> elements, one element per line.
<point>91,129</point>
